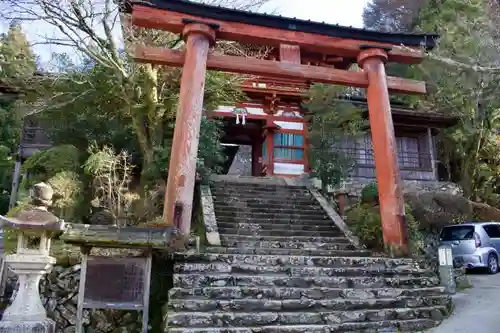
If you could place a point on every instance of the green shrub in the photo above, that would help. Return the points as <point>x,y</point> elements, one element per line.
<point>47,163</point>
<point>365,222</point>
<point>369,193</point>
<point>6,172</point>
<point>68,195</point>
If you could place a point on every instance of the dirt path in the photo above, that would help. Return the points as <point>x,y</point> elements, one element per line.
<point>477,310</point>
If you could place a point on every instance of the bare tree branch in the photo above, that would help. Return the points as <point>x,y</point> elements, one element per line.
<point>452,62</point>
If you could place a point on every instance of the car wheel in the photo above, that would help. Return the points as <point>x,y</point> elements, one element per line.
<point>492,264</point>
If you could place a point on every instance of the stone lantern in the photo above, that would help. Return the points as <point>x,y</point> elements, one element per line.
<point>35,228</point>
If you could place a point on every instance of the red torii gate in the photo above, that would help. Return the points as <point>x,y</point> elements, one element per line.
<point>200,26</point>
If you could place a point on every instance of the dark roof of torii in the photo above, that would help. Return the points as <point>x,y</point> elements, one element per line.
<point>285,23</point>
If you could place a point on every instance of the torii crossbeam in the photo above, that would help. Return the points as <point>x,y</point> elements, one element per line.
<point>201,25</point>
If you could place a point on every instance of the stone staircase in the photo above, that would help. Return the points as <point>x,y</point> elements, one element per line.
<point>284,266</point>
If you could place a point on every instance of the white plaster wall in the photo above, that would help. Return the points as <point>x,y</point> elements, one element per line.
<point>290,125</point>
<point>295,111</point>
<point>288,169</point>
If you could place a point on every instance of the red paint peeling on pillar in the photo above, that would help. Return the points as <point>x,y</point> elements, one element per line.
<point>392,210</point>
<point>182,168</point>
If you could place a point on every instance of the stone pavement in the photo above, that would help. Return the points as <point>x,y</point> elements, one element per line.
<point>476,309</point>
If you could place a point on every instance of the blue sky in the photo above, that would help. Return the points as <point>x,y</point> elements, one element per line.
<point>343,12</point>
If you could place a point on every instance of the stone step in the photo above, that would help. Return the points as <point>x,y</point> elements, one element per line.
<point>292,191</point>
<point>299,240</point>
<point>282,205</point>
<point>269,195</point>
<point>251,319</point>
<point>275,195</point>
<point>222,208</point>
<point>342,250</point>
<point>258,202</point>
<point>276,231</point>
<point>281,220</point>
<point>387,326</point>
<point>258,225</point>
<point>259,199</point>
<point>295,271</point>
<point>306,305</point>
<point>310,261</point>
<point>277,280</point>
<point>313,215</point>
<point>318,294</point>
<point>235,243</point>
<point>257,188</point>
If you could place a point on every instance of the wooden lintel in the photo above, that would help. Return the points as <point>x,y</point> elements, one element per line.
<point>334,59</point>
<point>325,59</point>
<point>147,17</point>
<point>161,56</point>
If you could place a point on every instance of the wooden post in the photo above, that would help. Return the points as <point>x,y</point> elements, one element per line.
<point>270,129</point>
<point>392,209</point>
<point>432,152</point>
<point>270,153</point>
<point>182,167</point>
<point>341,197</point>
<point>257,155</point>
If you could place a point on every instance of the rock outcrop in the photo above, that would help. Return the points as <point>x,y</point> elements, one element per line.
<point>438,207</point>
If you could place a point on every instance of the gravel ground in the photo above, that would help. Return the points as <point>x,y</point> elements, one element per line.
<point>477,310</point>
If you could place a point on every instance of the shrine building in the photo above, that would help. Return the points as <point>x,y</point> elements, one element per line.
<point>269,131</point>
<point>272,121</point>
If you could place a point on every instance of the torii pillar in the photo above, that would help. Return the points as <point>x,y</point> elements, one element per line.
<point>182,167</point>
<point>392,209</point>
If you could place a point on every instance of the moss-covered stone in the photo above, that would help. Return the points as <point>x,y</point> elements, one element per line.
<point>132,237</point>
<point>65,254</point>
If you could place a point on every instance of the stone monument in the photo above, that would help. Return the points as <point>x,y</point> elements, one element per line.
<point>35,227</point>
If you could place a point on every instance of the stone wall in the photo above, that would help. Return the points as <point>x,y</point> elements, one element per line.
<point>59,290</point>
<point>430,247</point>
<point>354,186</point>
<point>242,163</point>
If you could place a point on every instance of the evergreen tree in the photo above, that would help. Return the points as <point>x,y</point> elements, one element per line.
<point>395,16</point>
<point>17,63</point>
<point>17,59</point>
<point>330,133</point>
<point>391,15</point>
<point>469,42</point>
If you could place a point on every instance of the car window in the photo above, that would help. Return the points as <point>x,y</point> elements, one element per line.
<point>492,230</point>
<point>455,233</point>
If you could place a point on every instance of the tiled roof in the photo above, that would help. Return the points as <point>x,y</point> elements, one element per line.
<point>286,23</point>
